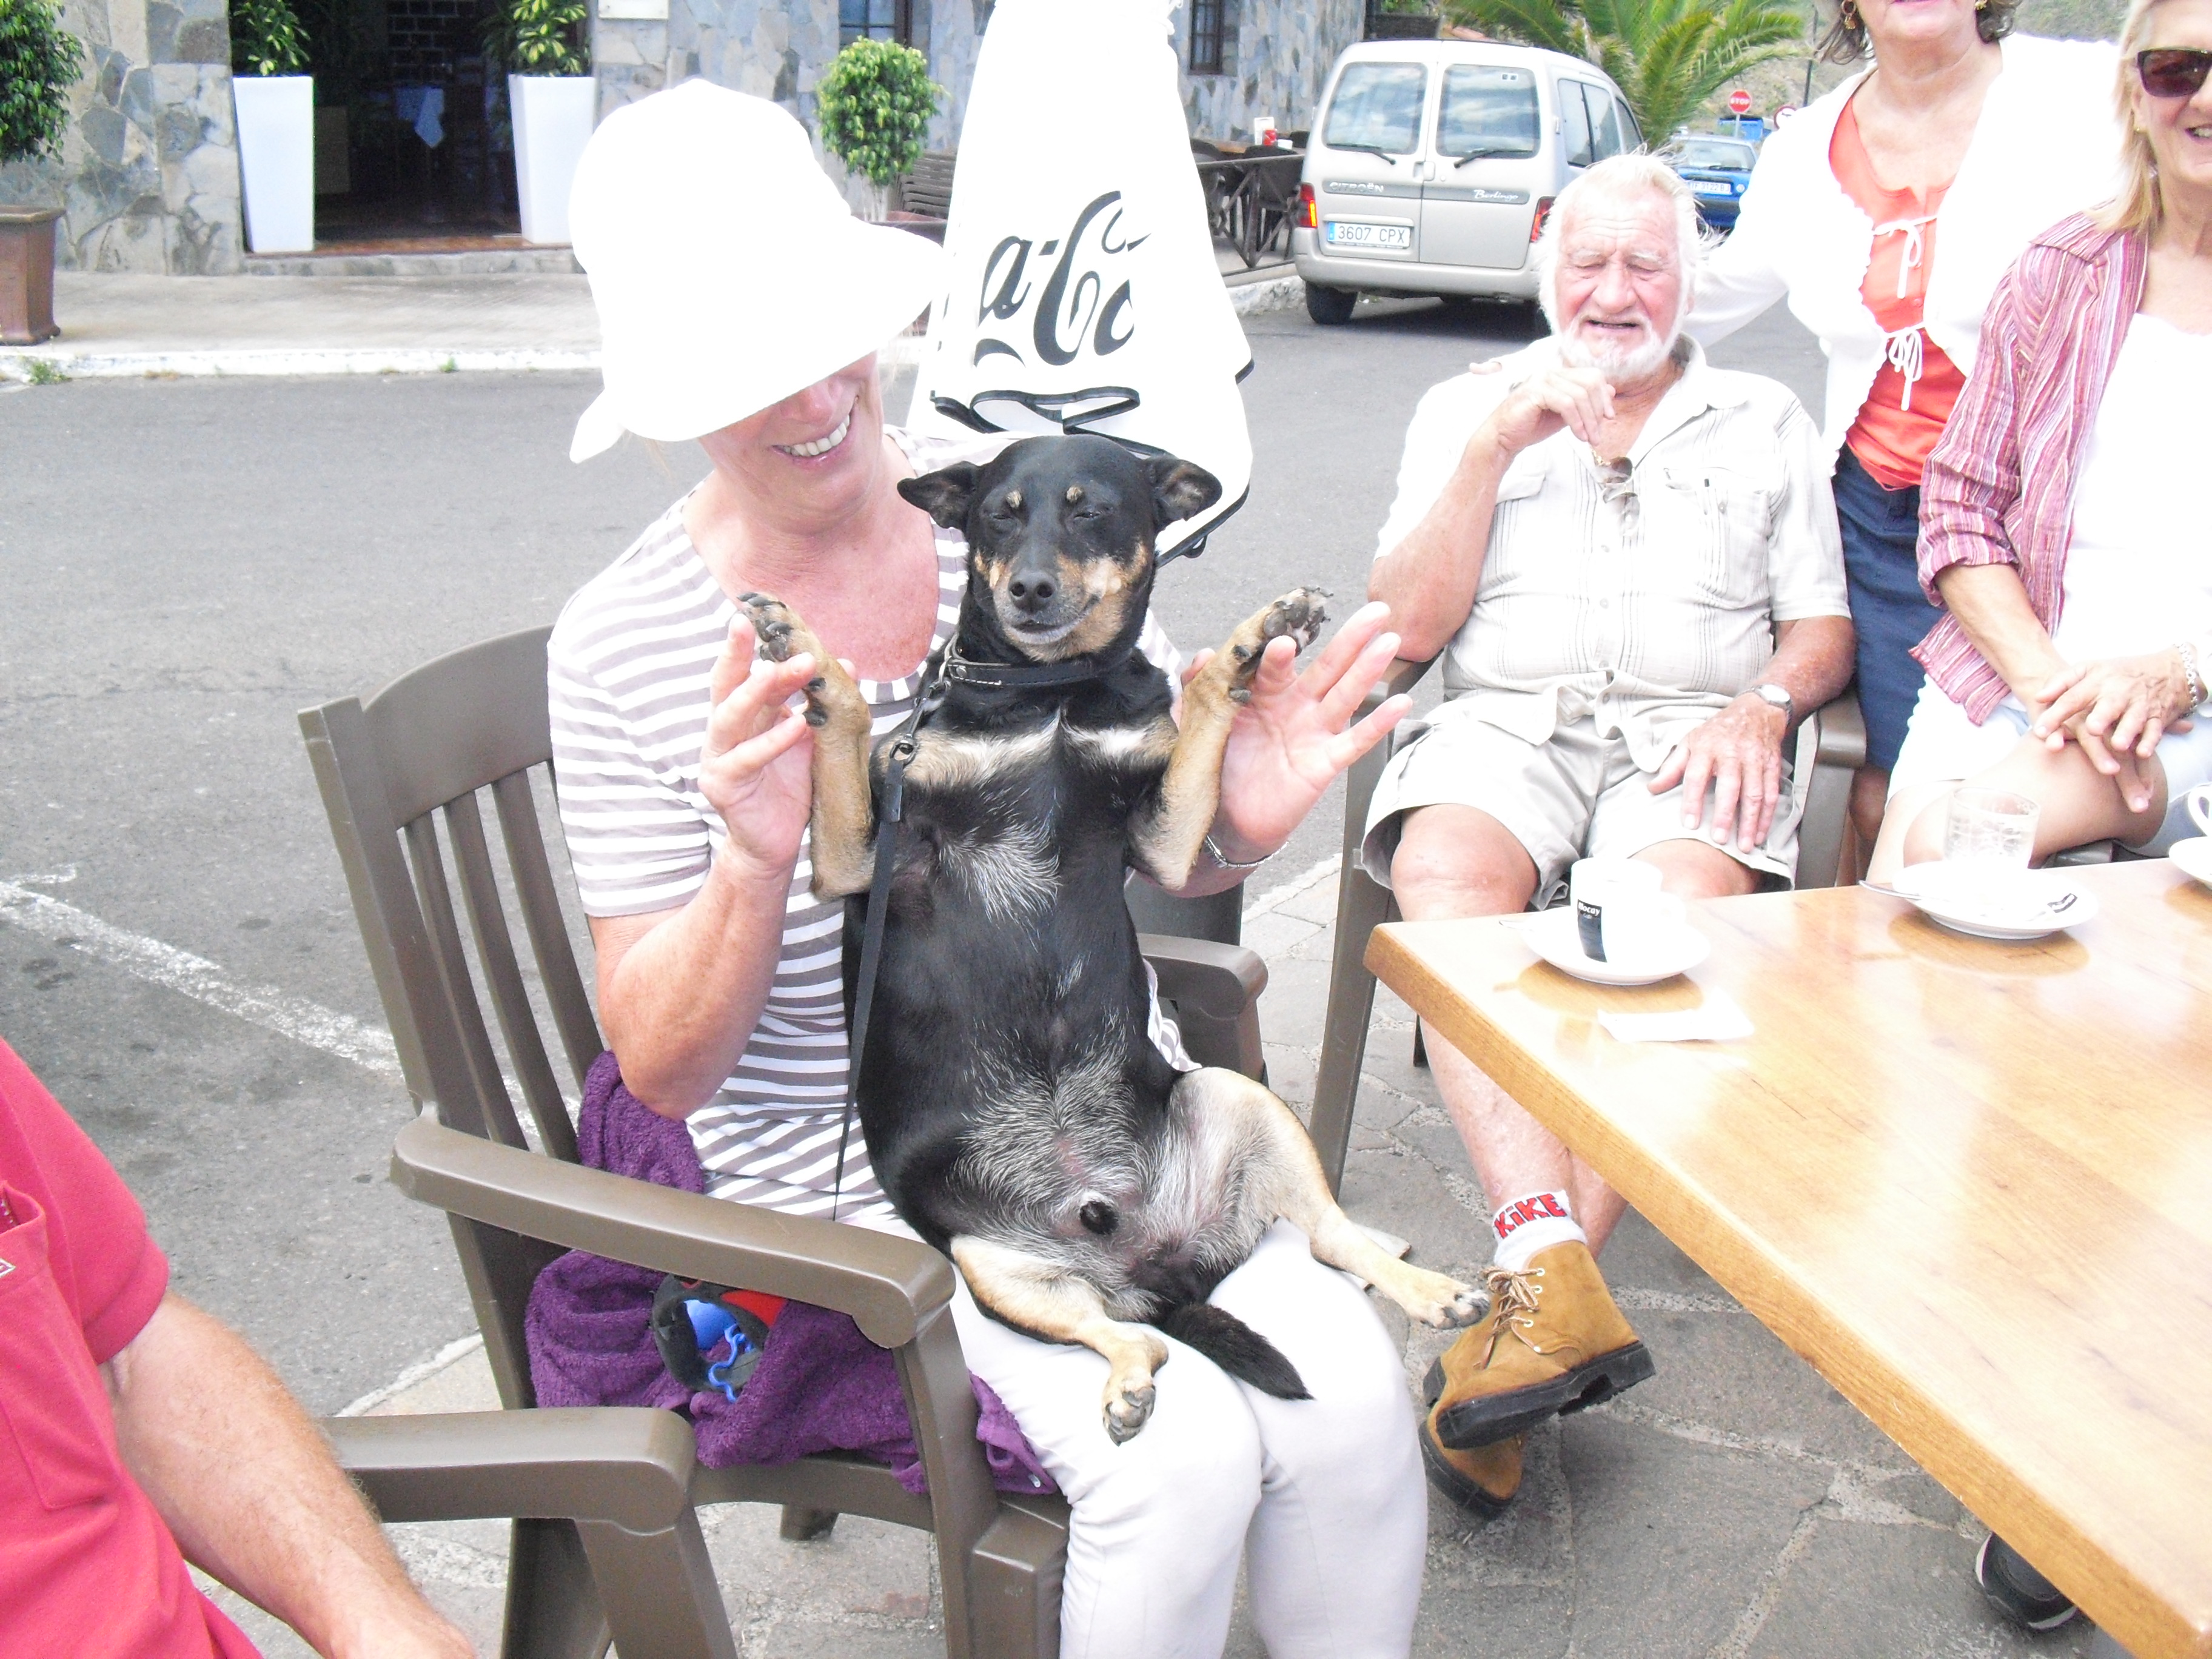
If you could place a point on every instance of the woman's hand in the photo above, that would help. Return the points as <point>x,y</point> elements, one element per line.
<point>2117,708</point>
<point>757,766</point>
<point>1290,741</point>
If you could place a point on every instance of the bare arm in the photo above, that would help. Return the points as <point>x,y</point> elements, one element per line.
<point>680,990</point>
<point>249,1487</point>
<point>1739,751</point>
<point>1430,579</point>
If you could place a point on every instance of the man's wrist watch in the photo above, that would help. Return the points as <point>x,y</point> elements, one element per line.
<point>1775,697</point>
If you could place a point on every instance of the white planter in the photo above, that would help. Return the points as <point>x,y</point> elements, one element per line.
<point>276,160</point>
<point>553,116</point>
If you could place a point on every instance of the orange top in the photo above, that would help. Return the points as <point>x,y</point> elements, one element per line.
<point>1917,384</point>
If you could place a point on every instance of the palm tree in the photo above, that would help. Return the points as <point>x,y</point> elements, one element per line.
<point>1667,56</point>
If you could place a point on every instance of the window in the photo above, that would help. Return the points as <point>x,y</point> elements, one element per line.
<point>1377,107</point>
<point>1205,36</point>
<point>1722,153</point>
<point>1604,123</point>
<point>1632,134</point>
<point>1574,125</point>
<point>874,20</point>
<point>1487,110</point>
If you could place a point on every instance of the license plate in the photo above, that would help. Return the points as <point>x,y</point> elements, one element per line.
<point>1384,239</point>
<point>1714,189</point>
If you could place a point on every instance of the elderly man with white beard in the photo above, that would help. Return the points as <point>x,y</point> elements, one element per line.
<point>1631,560</point>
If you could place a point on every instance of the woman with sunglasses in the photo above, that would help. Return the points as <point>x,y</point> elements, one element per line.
<point>1885,212</point>
<point>2062,528</point>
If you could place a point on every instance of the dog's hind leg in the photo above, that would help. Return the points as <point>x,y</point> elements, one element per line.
<point>1168,835</point>
<point>1283,1177</point>
<point>1053,1305</point>
<point>841,835</point>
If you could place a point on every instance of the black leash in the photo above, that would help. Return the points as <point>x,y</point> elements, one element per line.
<point>947,665</point>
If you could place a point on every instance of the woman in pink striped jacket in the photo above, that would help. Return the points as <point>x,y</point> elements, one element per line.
<point>2063,526</point>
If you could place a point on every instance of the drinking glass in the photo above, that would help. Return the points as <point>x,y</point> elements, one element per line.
<point>1989,830</point>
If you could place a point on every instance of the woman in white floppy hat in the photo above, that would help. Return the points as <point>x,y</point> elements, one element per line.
<point>741,305</point>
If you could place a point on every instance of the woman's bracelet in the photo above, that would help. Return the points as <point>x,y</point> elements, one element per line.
<point>2186,650</point>
<point>1214,851</point>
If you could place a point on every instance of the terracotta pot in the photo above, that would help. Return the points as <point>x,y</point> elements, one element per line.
<point>27,275</point>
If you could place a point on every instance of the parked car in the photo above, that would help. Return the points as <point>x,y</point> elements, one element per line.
<point>1716,169</point>
<point>1433,163</point>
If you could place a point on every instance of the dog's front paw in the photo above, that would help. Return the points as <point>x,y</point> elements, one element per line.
<point>779,636</point>
<point>1298,615</point>
<point>1438,1300</point>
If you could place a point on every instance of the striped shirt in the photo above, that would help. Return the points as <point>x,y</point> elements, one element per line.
<point>1644,595</point>
<point>2049,345</point>
<point>627,678</point>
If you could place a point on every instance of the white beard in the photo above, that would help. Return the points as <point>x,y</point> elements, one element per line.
<point>1621,367</point>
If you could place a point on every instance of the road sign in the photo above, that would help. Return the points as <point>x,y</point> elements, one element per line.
<point>1784,113</point>
<point>1739,102</point>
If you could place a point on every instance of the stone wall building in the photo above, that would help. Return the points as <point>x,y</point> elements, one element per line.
<point>147,173</point>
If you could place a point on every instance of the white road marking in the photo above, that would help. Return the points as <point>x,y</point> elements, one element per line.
<point>369,1047</point>
<point>1284,892</point>
<point>420,1371</point>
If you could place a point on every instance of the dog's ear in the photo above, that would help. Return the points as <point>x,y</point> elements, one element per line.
<point>1180,489</point>
<point>945,496</point>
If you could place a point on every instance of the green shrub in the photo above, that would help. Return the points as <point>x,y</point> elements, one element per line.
<point>538,36</point>
<point>875,103</point>
<point>38,66</point>
<point>266,38</point>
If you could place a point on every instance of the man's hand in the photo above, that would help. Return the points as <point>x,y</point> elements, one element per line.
<point>1578,399</point>
<point>2117,708</point>
<point>1739,752</point>
<point>1290,741</point>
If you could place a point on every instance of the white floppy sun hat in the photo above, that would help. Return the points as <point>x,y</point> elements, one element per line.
<point>727,270</point>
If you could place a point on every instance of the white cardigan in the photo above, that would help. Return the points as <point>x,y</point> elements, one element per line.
<point>2047,145</point>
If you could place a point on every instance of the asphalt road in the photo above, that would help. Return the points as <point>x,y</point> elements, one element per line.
<point>188,563</point>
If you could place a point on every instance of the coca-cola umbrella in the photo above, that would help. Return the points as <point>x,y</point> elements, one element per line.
<point>1083,296</point>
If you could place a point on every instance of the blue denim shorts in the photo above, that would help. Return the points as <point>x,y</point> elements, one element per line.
<point>1881,535</point>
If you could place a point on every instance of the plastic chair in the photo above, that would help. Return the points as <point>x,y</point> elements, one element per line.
<point>424,750</point>
<point>1361,904</point>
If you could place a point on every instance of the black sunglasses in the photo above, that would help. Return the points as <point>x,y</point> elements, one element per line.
<point>2174,72</point>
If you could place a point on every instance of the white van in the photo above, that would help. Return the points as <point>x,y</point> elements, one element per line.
<point>1433,163</point>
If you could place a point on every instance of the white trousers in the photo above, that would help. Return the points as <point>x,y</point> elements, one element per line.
<point>1326,1496</point>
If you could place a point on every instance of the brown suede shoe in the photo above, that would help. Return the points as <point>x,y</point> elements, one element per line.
<point>1554,1343</point>
<point>1483,1480</point>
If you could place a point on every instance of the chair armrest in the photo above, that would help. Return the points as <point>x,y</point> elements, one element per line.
<point>1843,739</point>
<point>890,1285</point>
<point>1404,675</point>
<point>624,1464</point>
<point>1216,991</point>
<point>1224,980</point>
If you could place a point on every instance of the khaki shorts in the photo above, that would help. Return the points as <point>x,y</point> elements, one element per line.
<point>1578,795</point>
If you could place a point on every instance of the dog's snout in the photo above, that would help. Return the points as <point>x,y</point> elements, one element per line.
<point>1031,589</point>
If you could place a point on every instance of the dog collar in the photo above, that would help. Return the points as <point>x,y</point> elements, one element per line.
<point>1027,676</point>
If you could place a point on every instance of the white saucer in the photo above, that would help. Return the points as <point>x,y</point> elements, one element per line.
<point>1553,936</point>
<point>2035,904</point>
<point>2193,857</point>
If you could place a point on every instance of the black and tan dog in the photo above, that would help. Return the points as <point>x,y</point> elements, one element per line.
<point>1015,1110</point>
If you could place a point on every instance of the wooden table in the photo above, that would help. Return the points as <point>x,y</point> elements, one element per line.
<point>1970,1182</point>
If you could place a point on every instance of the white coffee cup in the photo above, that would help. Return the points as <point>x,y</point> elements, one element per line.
<point>2199,802</point>
<point>1620,914</point>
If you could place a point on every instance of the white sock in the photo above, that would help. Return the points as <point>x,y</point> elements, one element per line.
<point>1533,1222</point>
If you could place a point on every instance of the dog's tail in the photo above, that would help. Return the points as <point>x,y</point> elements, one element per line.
<point>1235,1346</point>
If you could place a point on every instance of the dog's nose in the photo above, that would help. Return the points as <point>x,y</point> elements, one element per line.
<point>1031,592</point>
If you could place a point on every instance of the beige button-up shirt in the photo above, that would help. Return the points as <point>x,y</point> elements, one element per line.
<point>1647,599</point>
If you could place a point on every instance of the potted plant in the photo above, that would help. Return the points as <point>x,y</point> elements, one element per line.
<point>276,100</point>
<point>552,100</point>
<point>874,104</point>
<point>38,66</point>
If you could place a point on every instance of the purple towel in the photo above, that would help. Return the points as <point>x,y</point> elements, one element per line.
<point>820,1387</point>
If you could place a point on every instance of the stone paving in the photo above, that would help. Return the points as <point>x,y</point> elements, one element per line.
<point>1734,1507</point>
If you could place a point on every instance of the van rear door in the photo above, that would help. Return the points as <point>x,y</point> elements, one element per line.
<point>1365,186</point>
<point>1479,202</point>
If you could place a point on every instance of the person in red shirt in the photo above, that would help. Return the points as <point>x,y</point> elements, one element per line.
<point>138,1432</point>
